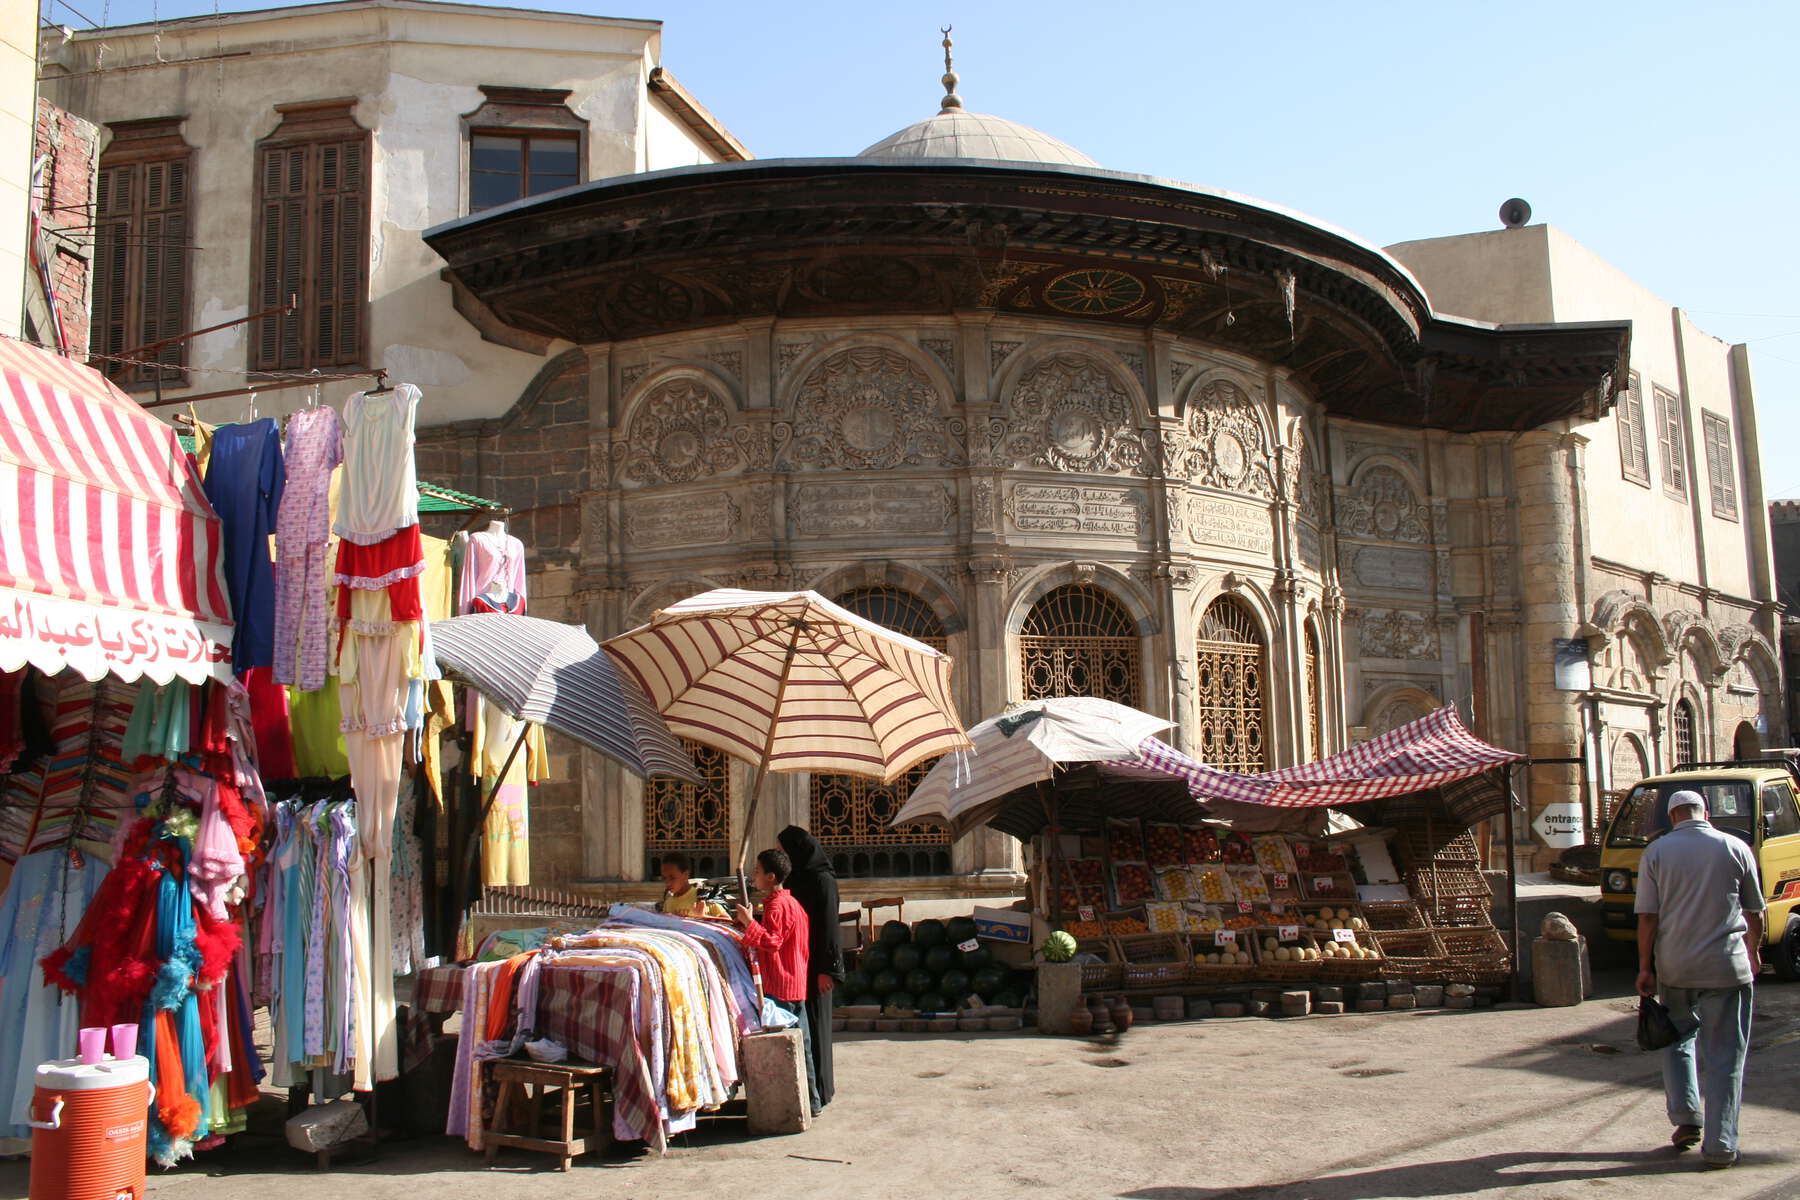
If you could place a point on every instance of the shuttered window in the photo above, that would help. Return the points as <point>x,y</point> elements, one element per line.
<point>1669,444</point>
<point>1720,472</point>
<point>312,240</point>
<point>141,249</point>
<point>1634,452</point>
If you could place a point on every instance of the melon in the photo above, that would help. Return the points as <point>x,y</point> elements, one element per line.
<point>902,1000</point>
<point>1008,998</point>
<point>1059,947</point>
<point>930,933</point>
<point>939,959</point>
<point>885,982</point>
<point>974,960</point>
<point>868,1000</point>
<point>960,929</point>
<point>875,959</point>
<point>907,958</point>
<point>934,1002</point>
<point>895,933</point>
<point>955,983</point>
<point>987,981</point>
<point>920,980</point>
<point>855,982</point>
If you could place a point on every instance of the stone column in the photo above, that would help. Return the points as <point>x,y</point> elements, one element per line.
<point>1545,465</point>
<point>987,851</point>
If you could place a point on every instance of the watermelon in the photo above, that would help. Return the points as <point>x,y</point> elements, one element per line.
<point>855,982</point>
<point>974,960</point>
<point>934,1002</point>
<point>955,983</point>
<point>840,996</point>
<point>868,1000</point>
<point>920,980</point>
<point>907,958</point>
<point>930,933</point>
<point>901,1000</point>
<point>1008,998</point>
<point>939,959</point>
<point>1059,946</point>
<point>988,981</point>
<point>875,959</point>
<point>895,933</point>
<point>960,929</point>
<point>886,981</point>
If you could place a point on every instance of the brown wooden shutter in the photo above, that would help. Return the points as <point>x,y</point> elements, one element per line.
<point>1634,453</point>
<point>142,230</point>
<point>1669,440</point>
<point>1720,471</point>
<point>111,322</point>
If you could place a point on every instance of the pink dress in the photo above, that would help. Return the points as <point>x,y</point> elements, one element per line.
<point>315,446</point>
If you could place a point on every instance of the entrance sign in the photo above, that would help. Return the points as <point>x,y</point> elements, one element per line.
<point>1560,826</point>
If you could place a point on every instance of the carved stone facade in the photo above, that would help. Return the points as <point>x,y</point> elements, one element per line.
<point>1069,412</point>
<point>868,408</point>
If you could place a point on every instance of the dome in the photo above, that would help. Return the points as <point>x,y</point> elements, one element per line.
<point>954,133</point>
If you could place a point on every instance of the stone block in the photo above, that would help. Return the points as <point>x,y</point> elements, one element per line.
<point>1199,1010</point>
<point>1169,1008</point>
<point>1483,1001</point>
<point>1327,995</point>
<point>1459,1002</point>
<point>1429,995</point>
<point>1556,972</point>
<point>1328,1007</point>
<point>1403,1001</point>
<point>1458,990</point>
<point>1370,1005</point>
<point>775,1082</point>
<point>1228,1009</point>
<point>1266,995</point>
<point>1143,1014</point>
<point>1258,1008</point>
<point>1059,991</point>
<point>326,1125</point>
<point>1296,1004</point>
<point>1399,987</point>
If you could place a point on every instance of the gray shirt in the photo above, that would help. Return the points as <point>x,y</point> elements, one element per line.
<point>1699,882</point>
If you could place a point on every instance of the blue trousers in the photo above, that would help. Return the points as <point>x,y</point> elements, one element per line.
<point>1716,1022</point>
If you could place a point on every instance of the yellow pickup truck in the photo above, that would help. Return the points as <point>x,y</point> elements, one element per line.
<point>1753,799</point>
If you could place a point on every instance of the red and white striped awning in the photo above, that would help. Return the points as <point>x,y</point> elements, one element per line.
<point>1429,752</point>
<point>110,554</point>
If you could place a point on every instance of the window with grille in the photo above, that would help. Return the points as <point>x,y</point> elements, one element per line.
<point>141,247</point>
<point>694,819</point>
<point>1669,442</point>
<point>1634,451</point>
<point>312,239</point>
<point>850,813</point>
<point>1682,726</point>
<point>1721,473</point>
<point>1315,723</point>
<point>1079,641</point>
<point>1230,661</point>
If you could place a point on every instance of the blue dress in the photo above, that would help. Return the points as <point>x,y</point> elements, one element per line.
<point>244,479</point>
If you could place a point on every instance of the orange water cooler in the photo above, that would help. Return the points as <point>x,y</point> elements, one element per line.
<point>91,1123</point>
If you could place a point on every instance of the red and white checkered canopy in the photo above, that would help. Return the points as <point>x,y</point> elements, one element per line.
<point>110,554</point>
<point>1426,753</point>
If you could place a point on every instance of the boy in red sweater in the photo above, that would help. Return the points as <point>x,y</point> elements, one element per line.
<point>782,938</point>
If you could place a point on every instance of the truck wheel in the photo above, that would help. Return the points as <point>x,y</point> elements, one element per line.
<point>1784,955</point>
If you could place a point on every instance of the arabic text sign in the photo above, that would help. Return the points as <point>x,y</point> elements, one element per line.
<point>1560,825</point>
<point>50,633</point>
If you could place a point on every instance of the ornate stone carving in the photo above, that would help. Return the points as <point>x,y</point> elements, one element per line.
<point>998,352</point>
<point>1355,451</point>
<point>1303,486</point>
<point>868,408</point>
<point>759,510</point>
<point>682,431</point>
<point>900,506</point>
<point>983,501</point>
<point>1394,633</point>
<point>786,353</point>
<point>1177,372</point>
<point>1217,521</point>
<point>629,375</point>
<point>1003,279</point>
<point>704,520</point>
<point>1389,567</point>
<point>1175,508</point>
<point>732,361</point>
<point>1055,508</point>
<point>1135,361</point>
<point>943,349</point>
<point>1383,505</point>
<point>1222,444</point>
<point>596,531</point>
<point>1070,414</point>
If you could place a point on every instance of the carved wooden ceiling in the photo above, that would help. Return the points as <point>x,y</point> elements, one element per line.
<point>680,250</point>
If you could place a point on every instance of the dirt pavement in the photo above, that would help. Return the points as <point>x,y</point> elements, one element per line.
<point>1546,1104</point>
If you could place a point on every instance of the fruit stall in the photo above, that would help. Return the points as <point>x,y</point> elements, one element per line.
<point>935,977</point>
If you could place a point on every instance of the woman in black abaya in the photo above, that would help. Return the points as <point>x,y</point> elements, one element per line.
<point>814,885</point>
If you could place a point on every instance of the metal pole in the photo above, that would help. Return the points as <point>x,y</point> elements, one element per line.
<point>480,831</point>
<point>1512,886</point>
<point>762,766</point>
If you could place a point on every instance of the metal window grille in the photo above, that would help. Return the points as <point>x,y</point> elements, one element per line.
<point>1079,641</point>
<point>694,819</point>
<point>1682,725</point>
<point>1230,660</point>
<point>850,813</point>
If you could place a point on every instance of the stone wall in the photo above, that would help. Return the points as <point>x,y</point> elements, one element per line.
<point>64,203</point>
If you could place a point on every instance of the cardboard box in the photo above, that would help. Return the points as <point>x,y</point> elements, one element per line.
<point>1003,924</point>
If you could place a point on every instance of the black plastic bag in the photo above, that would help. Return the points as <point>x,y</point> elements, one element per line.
<point>1656,1028</point>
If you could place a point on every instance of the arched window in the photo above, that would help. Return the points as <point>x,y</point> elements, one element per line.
<point>850,813</point>
<point>694,819</point>
<point>1315,721</point>
<point>1079,641</point>
<point>1629,766</point>
<point>1230,660</point>
<point>1682,726</point>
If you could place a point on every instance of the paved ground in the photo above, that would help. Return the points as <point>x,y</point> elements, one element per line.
<point>1545,1104</point>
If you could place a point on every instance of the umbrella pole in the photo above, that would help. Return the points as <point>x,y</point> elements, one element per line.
<point>762,766</point>
<point>479,834</point>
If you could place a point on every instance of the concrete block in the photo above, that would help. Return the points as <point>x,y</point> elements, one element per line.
<point>1370,1005</point>
<point>1228,1009</point>
<point>1429,995</point>
<point>1059,991</point>
<point>1459,1002</point>
<point>1169,1008</point>
<point>1459,989</point>
<point>1399,987</point>
<point>1328,1007</point>
<point>1557,974</point>
<point>1296,1004</point>
<point>1258,1008</point>
<point>775,1082</point>
<point>1199,1010</point>
<point>1266,995</point>
<point>1403,1001</point>
<point>1327,995</point>
<point>326,1125</point>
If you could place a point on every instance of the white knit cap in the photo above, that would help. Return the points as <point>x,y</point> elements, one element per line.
<point>1685,799</point>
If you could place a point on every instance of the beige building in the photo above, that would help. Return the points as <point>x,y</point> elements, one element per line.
<point>18,113</point>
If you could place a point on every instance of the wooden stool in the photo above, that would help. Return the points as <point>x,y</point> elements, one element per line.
<point>869,907</point>
<point>530,1081</point>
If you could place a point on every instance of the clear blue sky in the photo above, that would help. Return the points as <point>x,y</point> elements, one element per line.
<point>1662,135</point>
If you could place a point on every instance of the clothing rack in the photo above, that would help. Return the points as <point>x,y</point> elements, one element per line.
<point>275,385</point>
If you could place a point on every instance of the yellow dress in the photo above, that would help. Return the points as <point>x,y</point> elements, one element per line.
<point>506,836</point>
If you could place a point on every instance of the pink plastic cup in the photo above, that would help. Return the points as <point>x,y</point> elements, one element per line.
<point>124,1040</point>
<point>93,1044</point>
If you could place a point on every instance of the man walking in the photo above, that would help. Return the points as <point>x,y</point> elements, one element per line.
<point>1700,927</point>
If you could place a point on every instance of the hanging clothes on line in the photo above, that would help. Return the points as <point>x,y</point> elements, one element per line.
<point>244,481</point>
<point>315,447</point>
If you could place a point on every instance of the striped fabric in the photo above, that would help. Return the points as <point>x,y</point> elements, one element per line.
<point>857,699</point>
<point>553,674</point>
<point>111,557</point>
<point>1021,747</point>
<point>1426,753</point>
<point>73,796</point>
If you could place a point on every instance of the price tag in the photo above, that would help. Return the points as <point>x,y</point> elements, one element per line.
<point>1288,933</point>
<point>1224,937</point>
<point>1323,883</point>
<point>1245,906</point>
<point>1281,881</point>
<point>969,947</point>
<point>1085,912</point>
<point>1343,935</point>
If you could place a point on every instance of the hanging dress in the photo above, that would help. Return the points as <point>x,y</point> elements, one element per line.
<point>315,446</point>
<point>244,481</point>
